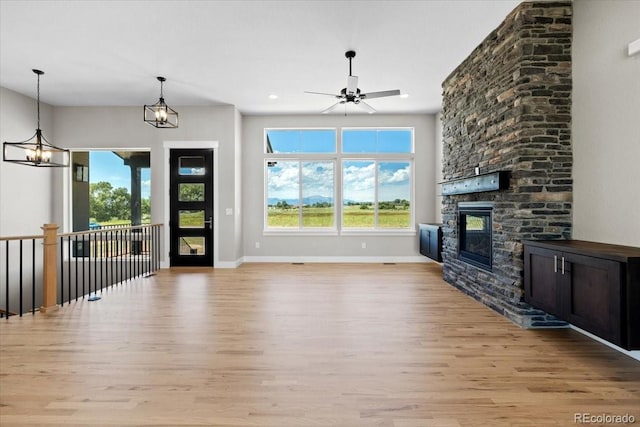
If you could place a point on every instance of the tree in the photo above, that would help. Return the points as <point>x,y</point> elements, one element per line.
<point>191,192</point>
<point>106,203</point>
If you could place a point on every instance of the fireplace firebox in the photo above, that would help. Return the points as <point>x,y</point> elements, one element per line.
<point>475,242</point>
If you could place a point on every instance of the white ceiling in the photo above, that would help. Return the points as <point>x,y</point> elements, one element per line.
<point>108,53</point>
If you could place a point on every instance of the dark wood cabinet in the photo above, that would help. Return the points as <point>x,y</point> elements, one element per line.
<point>431,241</point>
<point>593,286</point>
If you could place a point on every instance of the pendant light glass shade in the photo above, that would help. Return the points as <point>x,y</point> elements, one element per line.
<point>35,151</point>
<point>160,115</point>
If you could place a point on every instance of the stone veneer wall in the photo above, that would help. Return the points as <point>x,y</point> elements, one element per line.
<point>508,107</point>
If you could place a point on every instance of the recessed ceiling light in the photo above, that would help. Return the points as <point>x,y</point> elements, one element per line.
<point>404,95</point>
<point>273,96</point>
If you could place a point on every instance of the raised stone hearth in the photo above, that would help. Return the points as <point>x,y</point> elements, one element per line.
<point>507,107</point>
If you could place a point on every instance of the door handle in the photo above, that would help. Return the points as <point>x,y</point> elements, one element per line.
<point>555,263</point>
<point>209,222</point>
<point>563,266</point>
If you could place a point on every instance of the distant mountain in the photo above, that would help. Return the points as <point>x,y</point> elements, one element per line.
<point>311,200</point>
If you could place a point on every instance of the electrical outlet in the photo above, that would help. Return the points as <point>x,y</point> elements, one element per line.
<point>257,245</point>
<point>364,245</point>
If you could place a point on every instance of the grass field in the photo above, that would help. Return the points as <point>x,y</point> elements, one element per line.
<point>323,217</point>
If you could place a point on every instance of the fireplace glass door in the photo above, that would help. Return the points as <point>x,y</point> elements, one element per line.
<point>475,235</point>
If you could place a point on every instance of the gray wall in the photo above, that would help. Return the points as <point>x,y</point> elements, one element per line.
<point>606,122</point>
<point>122,127</point>
<point>324,246</point>
<point>25,192</point>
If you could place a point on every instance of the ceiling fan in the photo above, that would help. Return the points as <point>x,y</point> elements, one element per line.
<point>351,93</point>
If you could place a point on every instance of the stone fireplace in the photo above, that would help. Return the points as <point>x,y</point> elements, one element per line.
<point>507,109</point>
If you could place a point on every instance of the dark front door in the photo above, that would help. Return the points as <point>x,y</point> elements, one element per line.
<point>191,206</point>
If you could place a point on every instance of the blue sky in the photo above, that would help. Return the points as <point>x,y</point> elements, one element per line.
<point>106,166</point>
<point>358,176</point>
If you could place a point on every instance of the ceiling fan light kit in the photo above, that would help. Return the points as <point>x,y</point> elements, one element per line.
<point>160,115</point>
<point>352,94</point>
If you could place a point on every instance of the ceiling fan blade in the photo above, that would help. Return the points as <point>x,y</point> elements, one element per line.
<point>368,108</point>
<point>322,93</point>
<point>384,93</point>
<point>352,84</point>
<point>333,107</point>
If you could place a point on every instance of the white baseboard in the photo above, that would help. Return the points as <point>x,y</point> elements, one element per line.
<point>229,264</point>
<point>318,259</point>
<point>338,259</point>
<point>632,354</point>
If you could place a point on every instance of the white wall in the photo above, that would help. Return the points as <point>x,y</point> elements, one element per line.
<point>25,192</point>
<point>332,247</point>
<point>606,122</point>
<point>123,127</point>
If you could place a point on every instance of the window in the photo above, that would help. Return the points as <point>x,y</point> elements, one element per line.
<point>300,185</point>
<point>374,190</point>
<point>116,191</point>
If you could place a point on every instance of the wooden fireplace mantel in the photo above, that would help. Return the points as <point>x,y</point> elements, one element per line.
<point>493,181</point>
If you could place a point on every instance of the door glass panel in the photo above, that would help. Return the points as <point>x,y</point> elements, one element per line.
<point>191,192</point>
<point>191,165</point>
<point>191,219</point>
<point>191,246</point>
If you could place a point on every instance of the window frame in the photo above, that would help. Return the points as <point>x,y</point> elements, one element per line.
<point>376,229</point>
<point>301,229</point>
<point>339,158</point>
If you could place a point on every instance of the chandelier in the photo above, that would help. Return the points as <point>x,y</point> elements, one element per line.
<point>160,115</point>
<point>35,151</point>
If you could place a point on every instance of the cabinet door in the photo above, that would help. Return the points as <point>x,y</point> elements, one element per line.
<point>592,296</point>
<point>425,237</point>
<point>540,279</point>
<point>431,241</point>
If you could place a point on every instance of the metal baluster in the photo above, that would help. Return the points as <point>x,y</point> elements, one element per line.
<point>33,276</point>
<point>76,262</point>
<point>69,267</point>
<point>6,301</point>
<point>101,260</point>
<point>95,264</point>
<point>139,254</point>
<point>61,271</point>
<point>83,268</point>
<point>111,282</point>
<point>119,251</point>
<point>148,242</point>
<point>89,263</point>
<point>130,254</point>
<point>20,277</point>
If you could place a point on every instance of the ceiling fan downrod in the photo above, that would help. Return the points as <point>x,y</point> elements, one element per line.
<point>350,54</point>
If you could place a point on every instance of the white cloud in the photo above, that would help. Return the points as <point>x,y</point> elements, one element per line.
<point>359,178</point>
<point>395,177</point>
<point>317,179</point>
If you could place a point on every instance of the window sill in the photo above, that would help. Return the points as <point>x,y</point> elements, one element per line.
<point>391,232</point>
<point>339,233</point>
<point>297,232</point>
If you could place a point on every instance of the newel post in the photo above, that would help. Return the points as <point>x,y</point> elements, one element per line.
<point>50,276</point>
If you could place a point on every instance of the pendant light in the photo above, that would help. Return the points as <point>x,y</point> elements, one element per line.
<point>35,151</point>
<point>160,114</point>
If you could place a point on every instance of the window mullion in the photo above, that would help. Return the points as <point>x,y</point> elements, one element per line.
<point>375,194</point>
<point>300,226</point>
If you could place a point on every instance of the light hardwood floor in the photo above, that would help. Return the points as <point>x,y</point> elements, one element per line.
<point>283,345</point>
